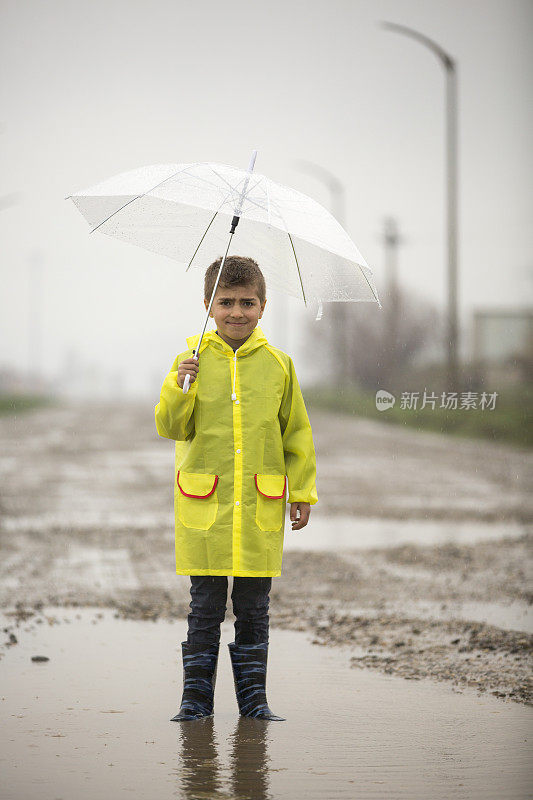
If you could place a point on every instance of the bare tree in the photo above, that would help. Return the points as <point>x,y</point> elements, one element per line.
<point>382,343</point>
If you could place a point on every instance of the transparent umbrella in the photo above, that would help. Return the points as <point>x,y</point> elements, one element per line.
<point>190,212</point>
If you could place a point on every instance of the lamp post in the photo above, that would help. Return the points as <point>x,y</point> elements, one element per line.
<point>450,67</point>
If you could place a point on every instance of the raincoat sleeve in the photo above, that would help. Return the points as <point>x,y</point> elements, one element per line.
<point>174,416</point>
<point>298,447</point>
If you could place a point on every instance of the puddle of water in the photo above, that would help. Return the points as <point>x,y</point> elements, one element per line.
<point>350,533</point>
<point>84,519</point>
<point>107,568</point>
<point>94,721</point>
<point>513,617</point>
<point>334,533</point>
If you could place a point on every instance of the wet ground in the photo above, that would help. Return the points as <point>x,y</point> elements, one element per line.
<point>93,721</point>
<point>412,582</point>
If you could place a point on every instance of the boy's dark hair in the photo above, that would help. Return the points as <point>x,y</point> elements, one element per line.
<point>237,271</point>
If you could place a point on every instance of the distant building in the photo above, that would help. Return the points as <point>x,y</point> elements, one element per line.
<point>502,343</point>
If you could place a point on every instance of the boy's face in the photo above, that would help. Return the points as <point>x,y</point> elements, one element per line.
<point>236,311</point>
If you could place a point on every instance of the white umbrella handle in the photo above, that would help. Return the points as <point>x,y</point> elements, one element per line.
<point>186,382</point>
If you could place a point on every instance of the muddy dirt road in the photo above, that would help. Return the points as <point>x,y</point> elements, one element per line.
<point>417,555</point>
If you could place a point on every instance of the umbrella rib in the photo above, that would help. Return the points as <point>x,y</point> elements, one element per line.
<point>137,197</point>
<point>296,258</point>
<point>297,267</point>
<point>252,203</point>
<point>268,203</point>
<point>275,205</point>
<point>233,189</point>
<point>201,240</point>
<point>370,286</point>
<point>256,202</point>
<point>205,232</point>
<point>210,182</point>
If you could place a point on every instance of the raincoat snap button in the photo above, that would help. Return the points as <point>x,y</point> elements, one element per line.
<point>236,402</point>
<point>238,451</point>
<point>237,502</point>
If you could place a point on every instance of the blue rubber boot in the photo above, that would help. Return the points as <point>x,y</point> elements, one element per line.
<point>199,675</point>
<point>249,664</point>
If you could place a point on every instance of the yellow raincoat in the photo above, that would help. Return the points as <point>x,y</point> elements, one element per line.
<point>241,431</point>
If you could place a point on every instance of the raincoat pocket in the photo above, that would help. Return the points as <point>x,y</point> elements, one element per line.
<point>197,499</point>
<point>270,501</point>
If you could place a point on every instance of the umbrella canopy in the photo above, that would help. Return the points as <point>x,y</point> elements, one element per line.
<point>184,211</point>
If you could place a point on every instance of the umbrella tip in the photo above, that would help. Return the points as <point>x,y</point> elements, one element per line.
<point>252,161</point>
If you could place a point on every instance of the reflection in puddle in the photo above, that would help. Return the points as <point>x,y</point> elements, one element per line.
<point>202,772</point>
<point>249,761</point>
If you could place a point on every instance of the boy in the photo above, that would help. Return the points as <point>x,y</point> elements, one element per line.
<point>241,430</point>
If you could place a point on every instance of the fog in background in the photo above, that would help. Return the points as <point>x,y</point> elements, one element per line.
<point>91,90</point>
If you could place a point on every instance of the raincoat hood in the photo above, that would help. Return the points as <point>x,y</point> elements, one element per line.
<point>211,339</point>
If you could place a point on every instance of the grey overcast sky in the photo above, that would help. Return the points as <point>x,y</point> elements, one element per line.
<point>93,89</point>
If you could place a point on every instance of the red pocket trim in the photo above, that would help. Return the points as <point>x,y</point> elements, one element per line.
<point>201,496</point>
<point>272,496</point>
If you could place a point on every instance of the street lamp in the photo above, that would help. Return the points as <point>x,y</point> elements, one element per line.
<point>450,67</point>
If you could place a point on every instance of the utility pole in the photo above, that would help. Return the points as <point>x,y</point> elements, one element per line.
<point>35,319</point>
<point>391,239</point>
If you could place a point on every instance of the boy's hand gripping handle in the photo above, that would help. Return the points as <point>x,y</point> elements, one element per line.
<point>186,382</point>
